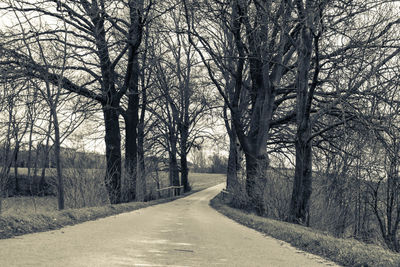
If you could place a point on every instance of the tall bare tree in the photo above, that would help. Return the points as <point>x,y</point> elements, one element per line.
<point>261,33</point>
<point>102,48</point>
<point>312,91</point>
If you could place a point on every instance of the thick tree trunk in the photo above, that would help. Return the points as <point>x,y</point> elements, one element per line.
<point>185,173</point>
<point>302,186</point>
<point>231,176</point>
<point>131,135</point>
<point>173,163</point>
<point>256,168</point>
<point>141,185</point>
<point>113,154</point>
<point>173,170</point>
<point>131,122</point>
<point>233,160</point>
<point>184,164</point>
<point>299,204</point>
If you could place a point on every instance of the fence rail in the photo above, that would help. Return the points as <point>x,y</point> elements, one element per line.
<point>175,190</point>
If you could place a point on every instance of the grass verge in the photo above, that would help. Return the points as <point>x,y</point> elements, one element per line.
<point>19,224</point>
<point>347,252</point>
<point>14,224</point>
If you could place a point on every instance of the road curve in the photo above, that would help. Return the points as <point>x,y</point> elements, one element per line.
<point>185,232</point>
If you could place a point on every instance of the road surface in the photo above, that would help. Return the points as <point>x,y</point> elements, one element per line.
<point>185,232</point>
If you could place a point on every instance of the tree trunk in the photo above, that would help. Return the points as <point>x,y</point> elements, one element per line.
<point>142,188</point>
<point>233,159</point>
<point>302,186</point>
<point>184,164</point>
<point>185,173</point>
<point>131,149</point>
<point>29,160</point>
<point>131,135</point>
<point>17,189</point>
<point>45,164</point>
<point>256,168</point>
<point>57,155</point>
<point>173,163</point>
<point>231,176</point>
<point>299,204</point>
<point>173,170</point>
<point>113,153</point>
<point>141,185</point>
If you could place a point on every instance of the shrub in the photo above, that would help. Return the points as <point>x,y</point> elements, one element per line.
<point>84,188</point>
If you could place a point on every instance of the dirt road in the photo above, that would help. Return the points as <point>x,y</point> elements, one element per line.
<point>185,232</point>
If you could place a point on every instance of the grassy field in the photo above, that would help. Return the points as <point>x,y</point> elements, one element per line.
<point>200,181</point>
<point>22,215</point>
<point>347,252</point>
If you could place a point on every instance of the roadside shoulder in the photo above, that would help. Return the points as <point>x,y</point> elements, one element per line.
<point>15,225</point>
<point>347,252</point>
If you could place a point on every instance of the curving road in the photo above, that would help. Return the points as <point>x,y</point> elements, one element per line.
<point>185,232</point>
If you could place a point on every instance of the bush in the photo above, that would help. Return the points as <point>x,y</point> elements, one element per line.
<point>84,188</point>
<point>278,190</point>
<point>31,186</point>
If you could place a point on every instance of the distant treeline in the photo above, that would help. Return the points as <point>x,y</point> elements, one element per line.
<point>213,164</point>
<point>44,158</point>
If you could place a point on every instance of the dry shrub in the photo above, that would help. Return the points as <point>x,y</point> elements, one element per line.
<point>277,192</point>
<point>152,192</point>
<point>240,199</point>
<point>339,205</point>
<point>84,188</point>
<point>274,187</point>
<point>126,186</point>
<point>331,205</point>
<point>155,179</point>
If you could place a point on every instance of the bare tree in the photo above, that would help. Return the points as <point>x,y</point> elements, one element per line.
<point>102,63</point>
<point>310,87</point>
<point>15,127</point>
<point>185,100</point>
<point>384,189</point>
<point>262,33</point>
<point>278,62</point>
